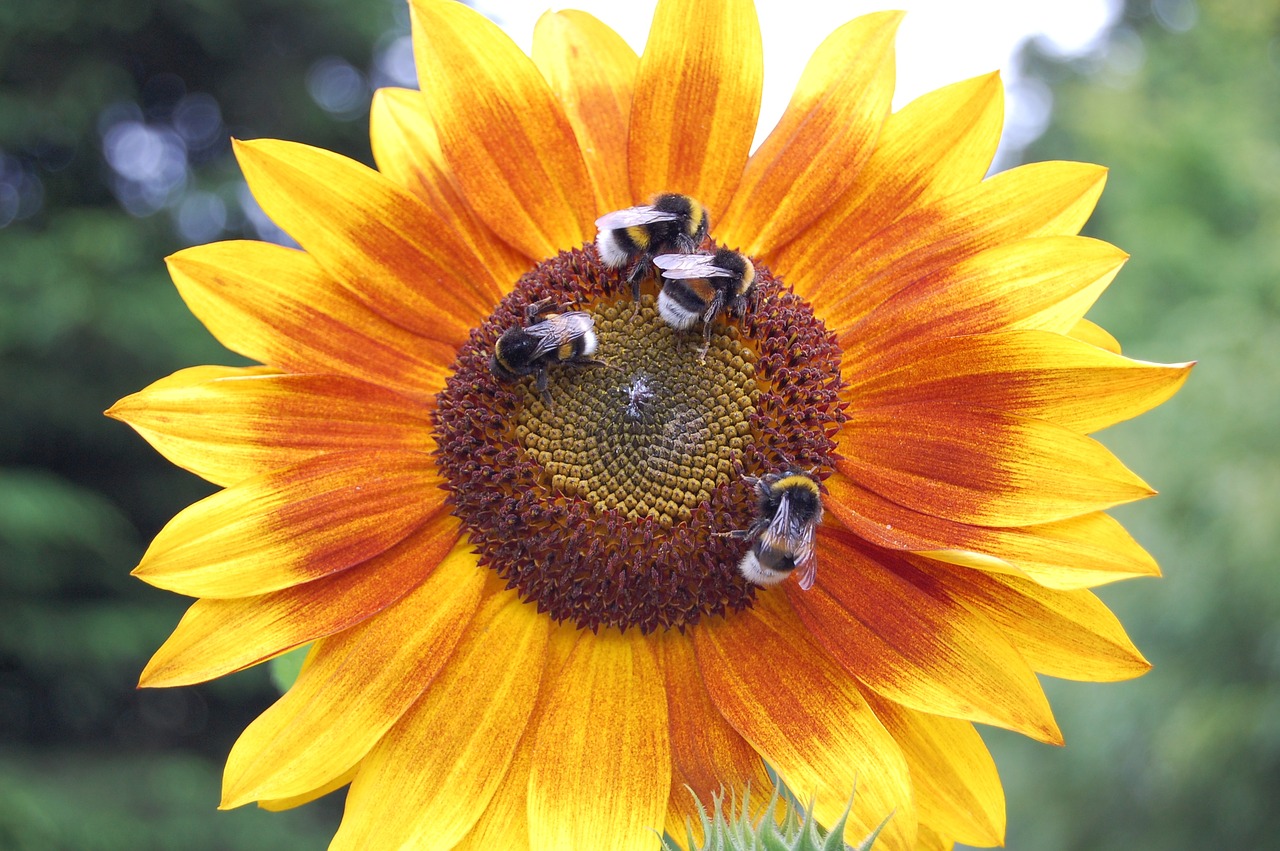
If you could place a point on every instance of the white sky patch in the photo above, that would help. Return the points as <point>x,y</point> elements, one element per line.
<point>940,42</point>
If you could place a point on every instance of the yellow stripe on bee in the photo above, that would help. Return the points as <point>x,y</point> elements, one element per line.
<point>639,235</point>
<point>698,217</point>
<point>565,351</point>
<point>796,481</point>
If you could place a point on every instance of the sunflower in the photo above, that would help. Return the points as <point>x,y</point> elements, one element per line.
<point>526,618</point>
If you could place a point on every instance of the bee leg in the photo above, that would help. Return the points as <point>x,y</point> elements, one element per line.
<point>706,341</point>
<point>635,278</point>
<point>740,534</point>
<point>532,311</point>
<point>581,362</point>
<point>542,384</point>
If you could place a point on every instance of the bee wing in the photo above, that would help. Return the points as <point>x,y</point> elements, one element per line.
<point>554,332</point>
<point>795,535</point>
<point>675,266</point>
<point>632,216</point>
<point>806,559</point>
<point>777,536</point>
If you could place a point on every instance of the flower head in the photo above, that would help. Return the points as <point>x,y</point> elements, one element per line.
<point>521,584</point>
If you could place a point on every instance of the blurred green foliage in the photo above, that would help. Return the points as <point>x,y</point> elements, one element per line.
<point>1186,757</point>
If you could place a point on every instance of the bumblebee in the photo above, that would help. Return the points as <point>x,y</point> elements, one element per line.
<point>671,224</point>
<point>702,286</point>
<point>788,511</point>
<point>546,338</point>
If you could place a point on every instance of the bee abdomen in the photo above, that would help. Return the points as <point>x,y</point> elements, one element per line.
<point>613,247</point>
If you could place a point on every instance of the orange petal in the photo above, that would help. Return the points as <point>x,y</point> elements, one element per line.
<point>697,99</point>
<point>1069,634</point>
<point>353,688</point>
<point>822,141</point>
<point>708,757</point>
<point>218,637</point>
<point>601,759</point>
<point>900,632</point>
<point>981,467</point>
<point>293,525</point>
<point>407,150</point>
<point>391,251</point>
<point>1040,199</point>
<point>229,428</point>
<point>807,718</point>
<point>1079,552</point>
<point>1030,373</point>
<point>957,788</point>
<point>593,72</point>
<point>503,133</point>
<point>276,305</point>
<point>430,777</point>
<point>1043,283</point>
<point>936,145</point>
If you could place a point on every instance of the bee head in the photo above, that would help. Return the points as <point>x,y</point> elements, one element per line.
<point>694,218</point>
<point>496,367</point>
<point>511,354</point>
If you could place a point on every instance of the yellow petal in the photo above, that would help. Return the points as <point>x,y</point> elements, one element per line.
<point>218,637</point>
<point>929,839</point>
<point>708,757</point>
<point>1031,373</point>
<point>1095,335</point>
<point>592,71</point>
<point>505,821</point>
<point>503,133</point>
<point>388,248</point>
<point>1078,552</point>
<point>981,467</point>
<point>406,148</point>
<point>696,102</point>
<point>823,140</point>
<point>1039,199</point>
<point>231,427</point>
<point>293,525</point>
<point>430,777</point>
<point>277,805</point>
<point>277,305</point>
<point>957,788</point>
<point>935,146</point>
<point>1044,283</point>
<point>902,633</point>
<point>353,688</point>
<point>1069,634</point>
<point>807,718</point>
<point>601,760</point>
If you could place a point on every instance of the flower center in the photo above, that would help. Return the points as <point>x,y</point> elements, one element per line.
<point>601,499</point>
<point>657,430</point>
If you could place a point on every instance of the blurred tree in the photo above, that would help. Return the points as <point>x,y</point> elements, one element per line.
<point>115,117</point>
<point>1181,105</point>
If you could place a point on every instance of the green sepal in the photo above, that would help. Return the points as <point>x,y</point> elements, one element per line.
<point>798,831</point>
